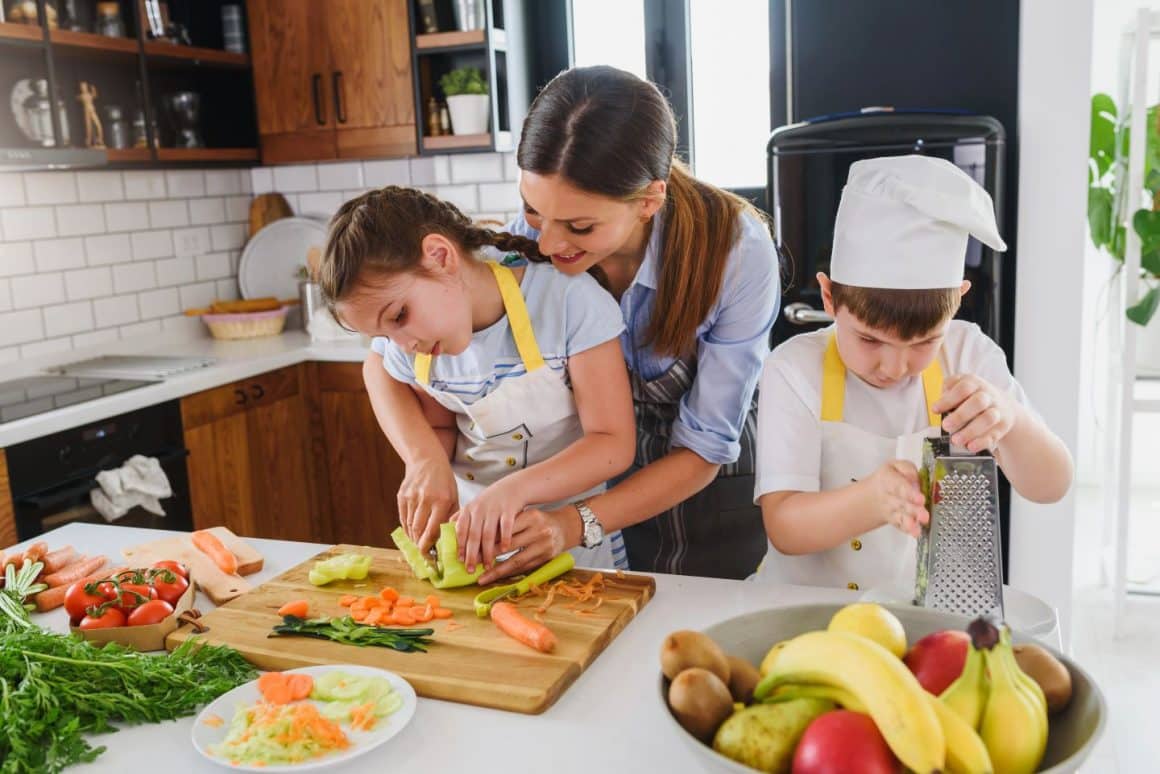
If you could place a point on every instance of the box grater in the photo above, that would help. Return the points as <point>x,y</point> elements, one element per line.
<point>960,566</point>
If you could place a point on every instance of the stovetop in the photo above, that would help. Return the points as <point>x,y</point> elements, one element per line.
<point>40,394</point>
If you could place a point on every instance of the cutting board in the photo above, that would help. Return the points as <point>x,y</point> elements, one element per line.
<point>217,585</point>
<point>267,208</point>
<point>476,664</point>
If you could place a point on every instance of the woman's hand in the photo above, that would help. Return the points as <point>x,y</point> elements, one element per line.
<point>539,536</point>
<point>488,521</point>
<point>427,498</point>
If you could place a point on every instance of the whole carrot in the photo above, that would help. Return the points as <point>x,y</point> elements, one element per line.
<point>82,567</point>
<point>58,559</point>
<point>209,544</point>
<point>516,625</point>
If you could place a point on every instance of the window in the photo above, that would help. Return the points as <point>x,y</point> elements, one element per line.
<point>609,32</point>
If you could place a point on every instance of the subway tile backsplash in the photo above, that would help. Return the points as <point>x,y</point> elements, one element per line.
<point>91,257</point>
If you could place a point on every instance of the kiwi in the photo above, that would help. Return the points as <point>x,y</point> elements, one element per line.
<point>1045,669</point>
<point>684,649</point>
<point>743,678</point>
<point>700,700</point>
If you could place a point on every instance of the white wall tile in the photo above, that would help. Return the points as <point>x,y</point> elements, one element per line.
<point>9,354</point>
<point>16,258</point>
<point>57,254</point>
<point>238,209</point>
<point>200,294</point>
<point>168,214</point>
<point>224,181</point>
<point>131,277</point>
<point>21,327</point>
<point>68,318</point>
<point>183,183</point>
<point>175,271</point>
<point>442,170</point>
<point>422,172</point>
<point>303,177</point>
<point>88,283</point>
<point>465,197</point>
<point>116,310</point>
<point>50,187</point>
<point>262,180</point>
<point>148,328</point>
<point>94,338</point>
<point>499,196</point>
<point>130,216</point>
<point>11,189</point>
<point>377,174</point>
<point>319,205</point>
<point>335,177</point>
<point>5,296</point>
<point>229,237</point>
<point>511,170</point>
<point>37,290</point>
<point>100,186</point>
<point>152,244</point>
<point>476,167</point>
<point>489,219</point>
<point>189,327</point>
<point>158,303</point>
<point>147,184</point>
<point>78,219</point>
<point>351,194</point>
<point>108,249</point>
<point>207,210</point>
<point>191,241</point>
<point>28,223</point>
<point>47,347</point>
<point>227,289</point>
<point>213,266</point>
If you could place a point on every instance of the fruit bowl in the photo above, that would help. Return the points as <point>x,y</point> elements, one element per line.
<point>1073,731</point>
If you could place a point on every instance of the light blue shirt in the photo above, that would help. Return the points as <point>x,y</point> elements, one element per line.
<point>569,315</point>
<point>732,342</point>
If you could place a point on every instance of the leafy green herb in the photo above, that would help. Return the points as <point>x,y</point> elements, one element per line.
<point>19,586</point>
<point>348,632</point>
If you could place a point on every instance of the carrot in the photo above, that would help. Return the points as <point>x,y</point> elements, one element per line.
<point>424,614</point>
<point>209,544</point>
<point>275,688</point>
<point>432,600</point>
<point>80,568</point>
<point>300,685</point>
<point>388,594</point>
<point>346,600</point>
<point>214,721</point>
<point>53,598</point>
<point>299,608</point>
<point>442,612</point>
<point>58,559</point>
<point>514,624</point>
<point>404,617</point>
<point>34,553</point>
<point>375,617</point>
<point>359,615</point>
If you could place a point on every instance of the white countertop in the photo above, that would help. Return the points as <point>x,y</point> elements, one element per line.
<point>236,360</point>
<point>610,719</point>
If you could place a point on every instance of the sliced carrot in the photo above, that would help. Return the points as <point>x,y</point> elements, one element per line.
<point>346,600</point>
<point>300,685</point>
<point>388,594</point>
<point>404,617</point>
<point>299,608</point>
<point>442,612</point>
<point>359,615</point>
<point>432,600</point>
<point>275,688</point>
<point>360,604</point>
<point>375,617</point>
<point>423,614</point>
<point>404,602</point>
<point>452,626</point>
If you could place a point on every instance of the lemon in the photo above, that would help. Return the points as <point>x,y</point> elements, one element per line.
<point>873,622</point>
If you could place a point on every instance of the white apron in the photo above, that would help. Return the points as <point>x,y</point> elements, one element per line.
<point>525,420</point>
<point>882,556</point>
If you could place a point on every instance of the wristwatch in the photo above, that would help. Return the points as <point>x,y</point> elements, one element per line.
<point>593,534</point>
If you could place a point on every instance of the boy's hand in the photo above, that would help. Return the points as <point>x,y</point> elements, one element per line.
<point>980,414</point>
<point>427,498</point>
<point>896,497</point>
<point>484,526</point>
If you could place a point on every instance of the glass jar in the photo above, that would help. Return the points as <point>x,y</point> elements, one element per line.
<point>109,21</point>
<point>117,127</point>
<point>38,111</point>
<point>140,136</point>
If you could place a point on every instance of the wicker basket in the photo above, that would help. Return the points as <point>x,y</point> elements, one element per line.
<point>246,325</point>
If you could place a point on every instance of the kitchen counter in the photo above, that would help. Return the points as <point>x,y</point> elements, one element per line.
<point>236,360</point>
<point>610,719</point>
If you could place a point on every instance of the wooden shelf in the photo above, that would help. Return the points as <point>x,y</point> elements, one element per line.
<point>23,32</point>
<point>443,41</point>
<point>207,154</point>
<point>125,155</point>
<point>87,41</point>
<point>194,55</point>
<point>459,141</point>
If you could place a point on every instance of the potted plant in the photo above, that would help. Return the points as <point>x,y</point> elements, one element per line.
<point>467,100</point>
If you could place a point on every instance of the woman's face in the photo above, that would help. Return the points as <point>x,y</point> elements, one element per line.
<point>579,229</point>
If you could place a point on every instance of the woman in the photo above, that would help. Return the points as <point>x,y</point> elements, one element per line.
<point>697,279</point>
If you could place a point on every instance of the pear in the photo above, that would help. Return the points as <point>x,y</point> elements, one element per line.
<point>765,736</point>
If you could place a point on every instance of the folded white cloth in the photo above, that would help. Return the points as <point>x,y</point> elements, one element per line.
<point>139,482</point>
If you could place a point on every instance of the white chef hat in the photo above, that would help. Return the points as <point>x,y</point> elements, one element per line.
<point>903,223</point>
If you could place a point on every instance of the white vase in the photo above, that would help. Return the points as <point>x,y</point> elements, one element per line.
<point>1148,347</point>
<point>469,113</point>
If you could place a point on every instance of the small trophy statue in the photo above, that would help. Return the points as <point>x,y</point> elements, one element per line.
<point>94,133</point>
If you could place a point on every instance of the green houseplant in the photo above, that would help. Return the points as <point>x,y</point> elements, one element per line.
<point>467,100</point>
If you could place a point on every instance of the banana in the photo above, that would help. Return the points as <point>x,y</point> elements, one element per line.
<point>967,695</point>
<point>966,753</point>
<point>838,696</point>
<point>1014,722</point>
<point>1030,687</point>
<point>874,677</point>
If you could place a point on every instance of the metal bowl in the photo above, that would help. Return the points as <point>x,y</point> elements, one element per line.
<point>1073,732</point>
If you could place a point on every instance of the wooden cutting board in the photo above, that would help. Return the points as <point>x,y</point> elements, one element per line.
<point>476,664</point>
<point>217,585</point>
<point>267,208</point>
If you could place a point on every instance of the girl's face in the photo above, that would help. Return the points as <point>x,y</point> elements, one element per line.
<point>579,229</point>
<point>428,310</point>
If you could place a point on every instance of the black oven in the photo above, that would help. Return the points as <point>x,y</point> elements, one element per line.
<point>51,477</point>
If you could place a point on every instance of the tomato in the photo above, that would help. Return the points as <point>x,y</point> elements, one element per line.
<point>170,591</point>
<point>151,612</point>
<point>110,618</point>
<point>77,600</point>
<point>130,599</point>
<point>175,567</point>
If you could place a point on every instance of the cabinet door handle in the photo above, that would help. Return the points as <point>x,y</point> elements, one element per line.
<point>257,391</point>
<point>316,92</point>
<point>241,398</point>
<point>336,84</point>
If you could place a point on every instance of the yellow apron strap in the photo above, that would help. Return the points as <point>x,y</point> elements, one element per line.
<point>518,320</point>
<point>834,385</point>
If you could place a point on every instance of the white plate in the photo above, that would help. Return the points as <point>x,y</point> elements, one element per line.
<point>226,705</point>
<point>271,259</point>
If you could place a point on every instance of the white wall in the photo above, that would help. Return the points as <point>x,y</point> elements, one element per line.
<point>1054,75</point>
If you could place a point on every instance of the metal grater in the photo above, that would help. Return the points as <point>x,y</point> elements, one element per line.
<point>960,565</point>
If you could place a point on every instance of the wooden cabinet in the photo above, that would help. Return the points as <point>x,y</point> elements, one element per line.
<point>362,471</point>
<point>333,80</point>
<point>7,515</point>
<point>251,465</point>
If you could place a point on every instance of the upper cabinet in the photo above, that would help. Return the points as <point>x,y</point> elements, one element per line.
<point>333,80</point>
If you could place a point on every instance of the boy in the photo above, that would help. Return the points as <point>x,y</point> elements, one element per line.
<point>841,407</point>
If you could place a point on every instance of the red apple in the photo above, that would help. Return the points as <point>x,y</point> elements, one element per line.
<point>938,659</point>
<point>844,742</point>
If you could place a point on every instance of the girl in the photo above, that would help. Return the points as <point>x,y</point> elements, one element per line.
<point>514,373</point>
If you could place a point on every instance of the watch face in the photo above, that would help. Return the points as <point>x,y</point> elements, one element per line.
<point>593,534</point>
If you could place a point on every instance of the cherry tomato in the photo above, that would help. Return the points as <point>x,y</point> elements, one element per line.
<point>176,567</point>
<point>109,618</point>
<point>151,612</point>
<point>169,590</point>
<point>133,595</point>
<point>78,599</point>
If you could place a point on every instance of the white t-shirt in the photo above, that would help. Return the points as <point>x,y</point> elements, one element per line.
<point>789,427</point>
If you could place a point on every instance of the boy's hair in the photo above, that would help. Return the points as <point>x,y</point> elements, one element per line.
<point>907,314</point>
<point>382,232</point>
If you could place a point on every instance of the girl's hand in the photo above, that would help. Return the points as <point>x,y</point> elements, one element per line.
<point>539,536</point>
<point>427,498</point>
<point>981,415</point>
<point>894,496</point>
<point>487,522</point>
